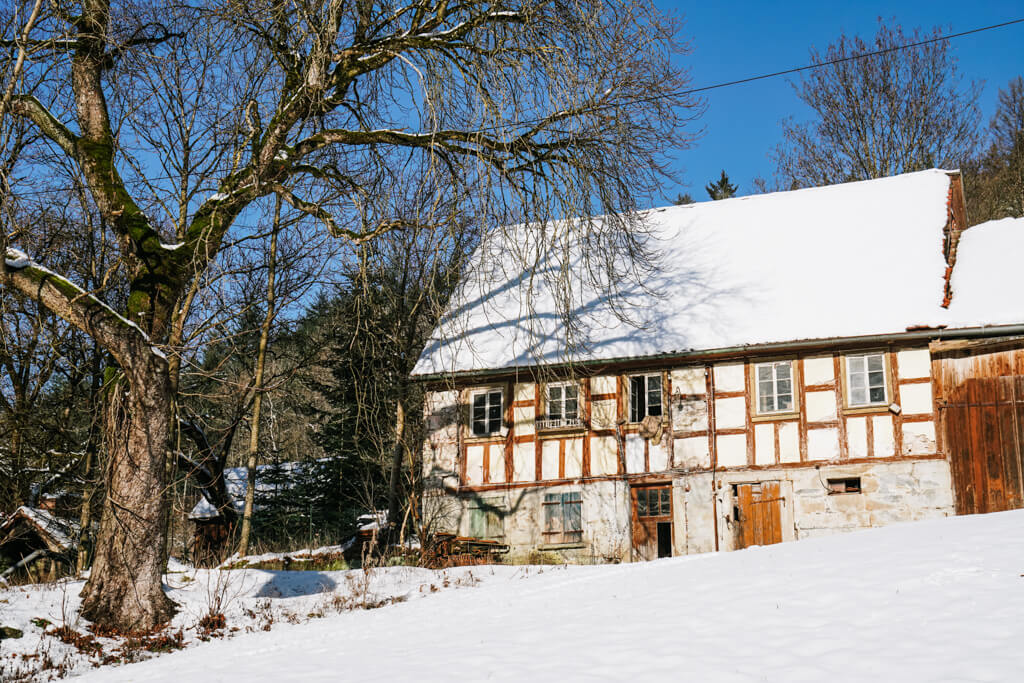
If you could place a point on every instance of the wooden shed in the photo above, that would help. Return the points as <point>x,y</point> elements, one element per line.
<point>979,389</point>
<point>36,546</point>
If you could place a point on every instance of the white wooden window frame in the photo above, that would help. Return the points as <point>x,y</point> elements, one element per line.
<point>773,364</point>
<point>647,392</point>
<point>487,405</point>
<point>850,402</point>
<point>548,421</point>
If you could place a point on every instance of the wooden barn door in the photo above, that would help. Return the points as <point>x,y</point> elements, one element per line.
<point>758,513</point>
<point>652,522</point>
<point>984,420</point>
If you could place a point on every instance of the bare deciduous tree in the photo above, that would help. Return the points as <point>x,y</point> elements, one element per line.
<point>899,111</point>
<point>526,110</point>
<point>995,179</point>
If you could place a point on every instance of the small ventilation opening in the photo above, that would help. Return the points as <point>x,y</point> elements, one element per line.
<point>844,485</point>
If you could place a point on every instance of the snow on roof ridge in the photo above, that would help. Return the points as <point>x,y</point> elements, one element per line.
<point>813,188</point>
<point>834,262</point>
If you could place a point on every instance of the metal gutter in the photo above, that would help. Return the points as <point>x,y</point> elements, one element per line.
<point>929,334</point>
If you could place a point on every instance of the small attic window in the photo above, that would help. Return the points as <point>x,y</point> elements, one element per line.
<point>844,485</point>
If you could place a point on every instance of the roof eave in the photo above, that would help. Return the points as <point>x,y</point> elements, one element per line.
<point>916,335</point>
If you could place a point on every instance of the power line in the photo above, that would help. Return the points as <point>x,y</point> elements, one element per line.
<point>715,86</point>
<point>862,55</point>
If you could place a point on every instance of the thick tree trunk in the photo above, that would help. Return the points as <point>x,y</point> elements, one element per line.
<point>124,590</point>
<point>396,465</point>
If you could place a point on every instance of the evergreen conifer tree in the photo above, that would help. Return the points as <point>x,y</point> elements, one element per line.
<point>722,189</point>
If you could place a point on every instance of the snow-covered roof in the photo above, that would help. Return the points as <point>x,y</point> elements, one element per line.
<point>236,479</point>
<point>57,533</point>
<point>839,261</point>
<point>986,279</point>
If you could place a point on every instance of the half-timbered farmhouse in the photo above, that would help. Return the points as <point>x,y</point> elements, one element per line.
<point>802,363</point>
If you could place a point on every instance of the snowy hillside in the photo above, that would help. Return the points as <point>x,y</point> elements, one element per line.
<point>928,601</point>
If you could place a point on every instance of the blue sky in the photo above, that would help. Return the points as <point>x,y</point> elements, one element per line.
<point>732,40</point>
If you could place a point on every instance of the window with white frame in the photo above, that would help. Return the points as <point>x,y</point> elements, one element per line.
<point>644,396</point>
<point>562,406</point>
<point>485,416</point>
<point>774,387</point>
<point>865,380</point>
<point>563,518</point>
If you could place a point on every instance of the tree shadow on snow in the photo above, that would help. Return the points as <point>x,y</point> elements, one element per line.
<point>291,584</point>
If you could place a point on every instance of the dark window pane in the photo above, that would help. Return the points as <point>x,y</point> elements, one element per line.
<point>636,399</point>
<point>571,408</point>
<point>875,363</point>
<point>877,394</point>
<point>571,391</point>
<point>785,402</point>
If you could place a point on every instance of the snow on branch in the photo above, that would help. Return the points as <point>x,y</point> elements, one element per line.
<point>120,336</point>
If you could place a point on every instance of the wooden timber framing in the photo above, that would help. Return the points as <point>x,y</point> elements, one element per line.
<point>814,433</point>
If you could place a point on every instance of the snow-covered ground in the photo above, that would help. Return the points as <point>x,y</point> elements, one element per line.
<point>928,601</point>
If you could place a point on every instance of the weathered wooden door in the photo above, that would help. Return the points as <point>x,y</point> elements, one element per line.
<point>984,422</point>
<point>652,522</point>
<point>758,514</point>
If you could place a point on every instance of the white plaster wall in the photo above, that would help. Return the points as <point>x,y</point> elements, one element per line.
<point>658,456</point>
<point>525,391</point>
<point>475,465</point>
<point>440,448</point>
<point>574,458</point>
<point>885,439</point>
<point>694,519</point>
<point>857,436</point>
<point>729,377</point>
<point>634,454</point>
<point>789,442</point>
<point>822,444</point>
<point>522,418</point>
<point>730,413</point>
<point>916,399</point>
<point>918,438</point>
<point>691,452</point>
<point>603,414</point>
<point>524,462</point>
<point>604,457</point>
<point>914,363</point>
<point>689,415</point>
<point>764,444</point>
<point>732,450</point>
<point>688,381</point>
<point>819,370</point>
<point>497,464</point>
<point>821,405</point>
<point>603,384</point>
<point>549,459</point>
